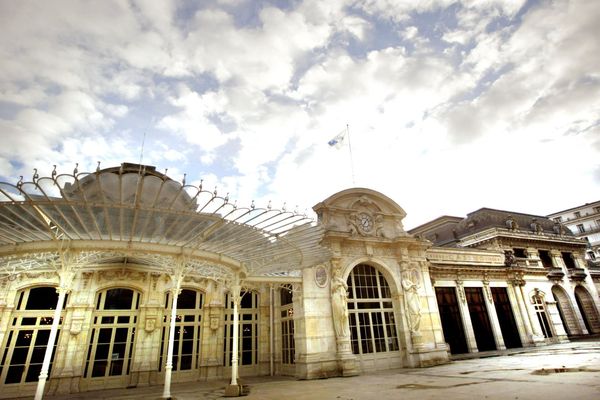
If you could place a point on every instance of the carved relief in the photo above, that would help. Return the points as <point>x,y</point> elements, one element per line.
<point>122,275</point>
<point>321,276</point>
<point>461,291</point>
<point>150,324</point>
<point>76,325</point>
<point>215,307</point>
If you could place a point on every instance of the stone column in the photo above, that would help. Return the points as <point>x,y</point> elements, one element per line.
<point>535,336</point>
<point>523,326</point>
<point>466,317</point>
<point>491,309</point>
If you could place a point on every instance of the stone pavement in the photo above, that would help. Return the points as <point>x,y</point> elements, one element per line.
<point>562,371</point>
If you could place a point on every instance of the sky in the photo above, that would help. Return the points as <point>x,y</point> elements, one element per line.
<point>450,106</point>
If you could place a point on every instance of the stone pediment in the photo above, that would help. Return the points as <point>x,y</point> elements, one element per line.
<point>361,212</point>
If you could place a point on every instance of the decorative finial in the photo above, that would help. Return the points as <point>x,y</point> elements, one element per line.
<point>252,206</point>
<point>166,170</point>
<point>75,171</point>
<point>215,192</point>
<point>284,208</point>
<point>35,175</point>
<point>296,209</point>
<point>235,205</point>
<point>269,205</point>
<point>54,171</point>
<point>183,180</point>
<point>227,198</point>
<point>98,167</point>
<point>200,185</point>
<point>20,183</point>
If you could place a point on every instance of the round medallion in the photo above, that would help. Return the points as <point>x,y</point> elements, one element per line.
<point>321,276</point>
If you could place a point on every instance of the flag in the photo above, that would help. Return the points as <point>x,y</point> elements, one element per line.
<point>338,140</point>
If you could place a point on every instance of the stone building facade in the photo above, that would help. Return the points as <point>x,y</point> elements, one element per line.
<point>95,266</point>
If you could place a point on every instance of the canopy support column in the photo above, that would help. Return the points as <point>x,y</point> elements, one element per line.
<point>271,330</point>
<point>175,290</point>
<point>234,388</point>
<point>65,279</point>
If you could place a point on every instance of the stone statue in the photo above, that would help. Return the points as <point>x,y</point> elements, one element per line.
<point>509,258</point>
<point>558,228</point>
<point>411,297</point>
<point>536,226</point>
<point>339,306</point>
<point>511,223</point>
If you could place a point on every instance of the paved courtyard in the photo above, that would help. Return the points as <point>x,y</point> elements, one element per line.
<point>564,371</point>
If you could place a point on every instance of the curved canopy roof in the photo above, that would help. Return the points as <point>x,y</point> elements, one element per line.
<point>134,212</point>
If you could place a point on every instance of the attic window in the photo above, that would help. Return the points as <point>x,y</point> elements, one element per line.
<point>520,253</point>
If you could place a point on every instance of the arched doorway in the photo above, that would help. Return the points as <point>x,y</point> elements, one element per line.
<point>371,313</point>
<point>588,309</point>
<point>565,310</point>
<point>110,349</point>
<point>23,350</point>
<point>188,324</point>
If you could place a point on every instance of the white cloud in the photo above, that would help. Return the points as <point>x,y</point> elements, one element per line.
<point>441,126</point>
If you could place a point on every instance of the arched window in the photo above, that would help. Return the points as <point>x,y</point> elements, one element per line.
<point>248,329</point>
<point>287,325</point>
<point>540,311</point>
<point>25,345</point>
<point>372,322</point>
<point>186,349</point>
<point>110,348</point>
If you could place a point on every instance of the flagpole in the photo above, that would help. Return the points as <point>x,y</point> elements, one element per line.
<point>351,158</point>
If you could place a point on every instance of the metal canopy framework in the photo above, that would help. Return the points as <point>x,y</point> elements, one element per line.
<point>135,213</point>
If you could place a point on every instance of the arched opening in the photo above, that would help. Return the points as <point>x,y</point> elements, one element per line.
<point>452,323</point>
<point>25,345</point>
<point>565,310</point>
<point>249,314</point>
<point>188,324</point>
<point>480,319</point>
<point>506,318</point>
<point>110,348</point>
<point>371,313</point>
<point>588,309</point>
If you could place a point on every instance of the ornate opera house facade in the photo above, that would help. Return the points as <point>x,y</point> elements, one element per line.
<point>124,277</point>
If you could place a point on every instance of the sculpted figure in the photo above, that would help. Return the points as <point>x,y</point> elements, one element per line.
<point>353,224</point>
<point>536,226</point>
<point>339,296</point>
<point>511,223</point>
<point>412,301</point>
<point>509,258</point>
